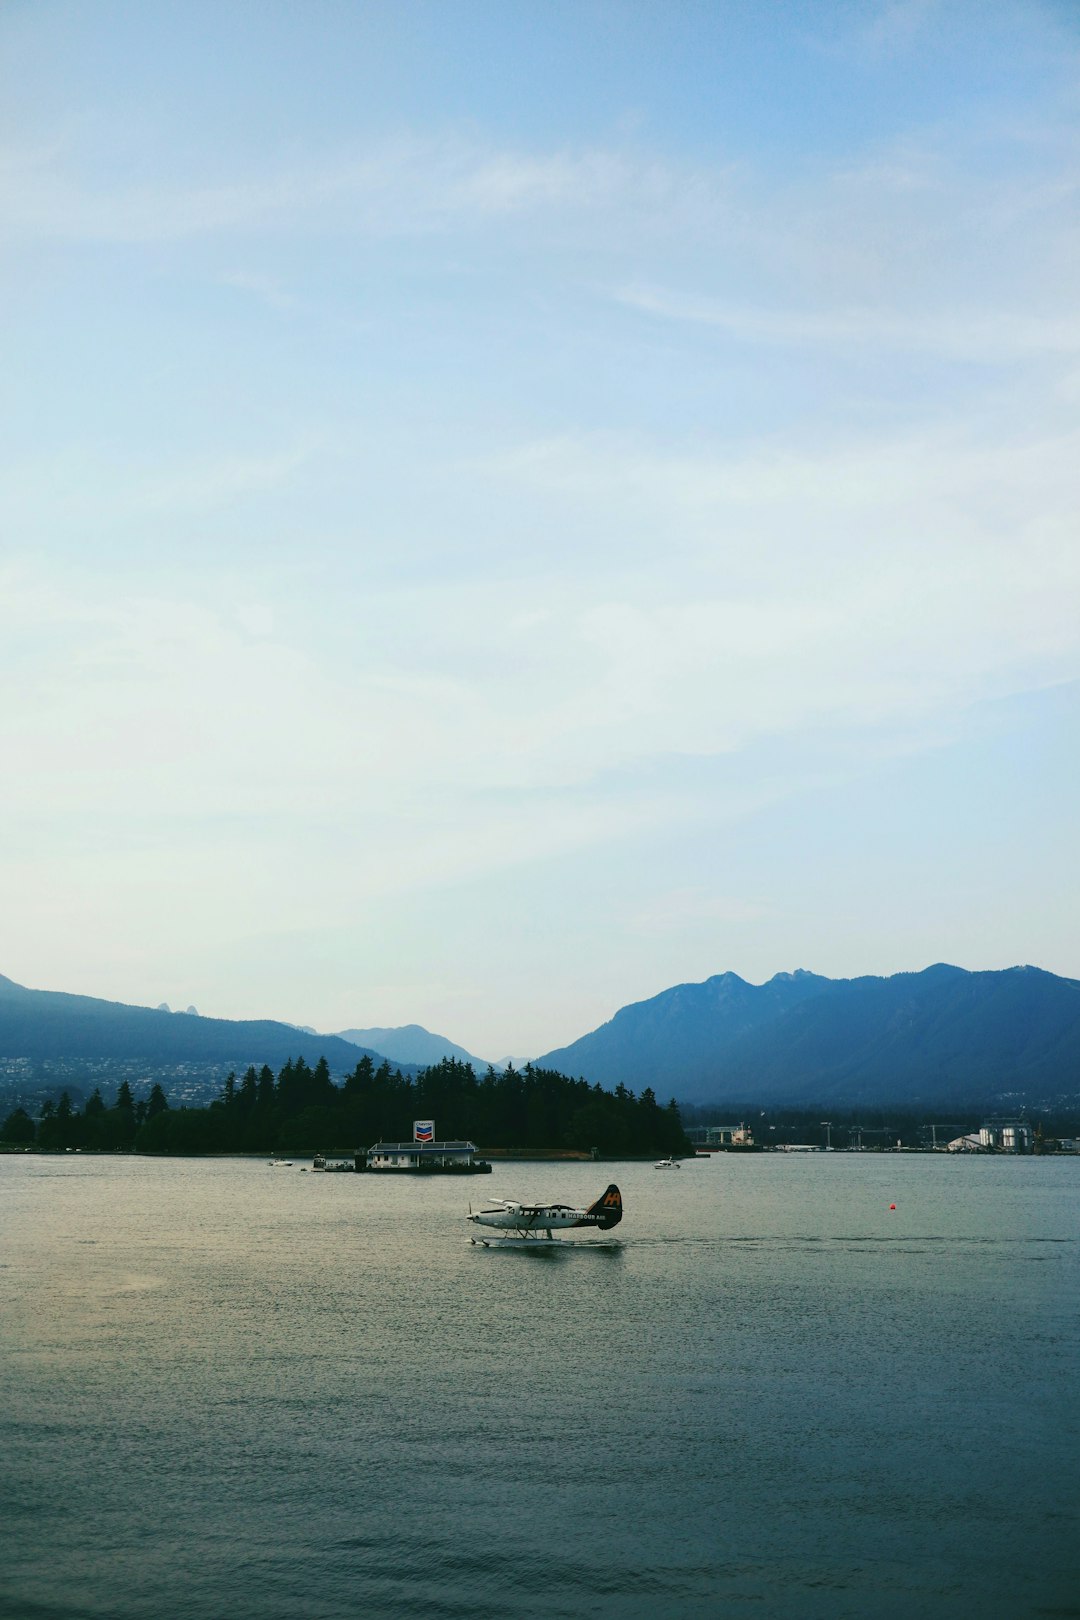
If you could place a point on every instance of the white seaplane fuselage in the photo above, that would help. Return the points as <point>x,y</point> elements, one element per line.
<point>535,1223</point>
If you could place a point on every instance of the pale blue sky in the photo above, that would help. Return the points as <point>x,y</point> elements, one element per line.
<point>510,506</point>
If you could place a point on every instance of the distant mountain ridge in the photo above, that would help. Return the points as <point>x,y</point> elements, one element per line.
<point>944,1034</point>
<point>411,1043</point>
<point>50,1024</point>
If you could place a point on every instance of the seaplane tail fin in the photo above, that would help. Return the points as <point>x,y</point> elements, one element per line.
<point>607,1211</point>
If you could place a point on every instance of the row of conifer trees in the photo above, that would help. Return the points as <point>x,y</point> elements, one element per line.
<point>302,1107</point>
<point>96,1127</point>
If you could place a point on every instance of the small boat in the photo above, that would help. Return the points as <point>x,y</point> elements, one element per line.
<point>666,1164</point>
<point>281,1164</point>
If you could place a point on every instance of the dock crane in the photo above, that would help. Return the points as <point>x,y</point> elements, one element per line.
<point>859,1131</point>
<point>933,1129</point>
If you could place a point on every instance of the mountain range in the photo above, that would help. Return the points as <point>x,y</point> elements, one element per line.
<point>411,1043</point>
<point>942,1035</point>
<point>50,1025</point>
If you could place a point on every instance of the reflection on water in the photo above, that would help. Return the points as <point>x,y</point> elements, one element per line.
<point>230,1390</point>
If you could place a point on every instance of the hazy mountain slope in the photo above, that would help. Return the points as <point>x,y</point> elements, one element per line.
<point>943,1033</point>
<point>411,1043</point>
<point>45,1024</point>
<point>675,1033</point>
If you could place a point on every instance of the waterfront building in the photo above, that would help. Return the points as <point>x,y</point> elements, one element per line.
<point>424,1156</point>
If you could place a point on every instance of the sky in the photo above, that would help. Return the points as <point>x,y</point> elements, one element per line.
<point>510,505</point>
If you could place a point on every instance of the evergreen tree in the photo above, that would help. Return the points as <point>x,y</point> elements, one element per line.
<point>93,1121</point>
<point>65,1122</point>
<point>287,1088</point>
<point>54,1126</point>
<point>18,1127</point>
<point>249,1090</point>
<point>360,1080</point>
<point>119,1122</point>
<point>321,1088</point>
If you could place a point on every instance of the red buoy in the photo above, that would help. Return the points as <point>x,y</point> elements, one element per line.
<point>892,1206</point>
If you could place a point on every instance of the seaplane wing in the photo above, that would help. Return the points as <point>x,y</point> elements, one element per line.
<point>530,1219</point>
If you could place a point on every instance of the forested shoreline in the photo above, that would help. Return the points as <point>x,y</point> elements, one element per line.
<point>301,1107</point>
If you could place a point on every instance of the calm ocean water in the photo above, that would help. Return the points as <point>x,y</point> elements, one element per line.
<point>236,1391</point>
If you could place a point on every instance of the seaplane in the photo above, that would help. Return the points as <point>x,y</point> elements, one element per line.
<point>531,1225</point>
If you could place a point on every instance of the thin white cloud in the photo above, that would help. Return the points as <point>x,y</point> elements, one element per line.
<point>892,28</point>
<point>267,289</point>
<point>989,336</point>
<point>938,574</point>
<point>87,488</point>
<point>396,187</point>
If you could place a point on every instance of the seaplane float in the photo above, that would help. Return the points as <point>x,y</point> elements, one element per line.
<point>531,1225</point>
